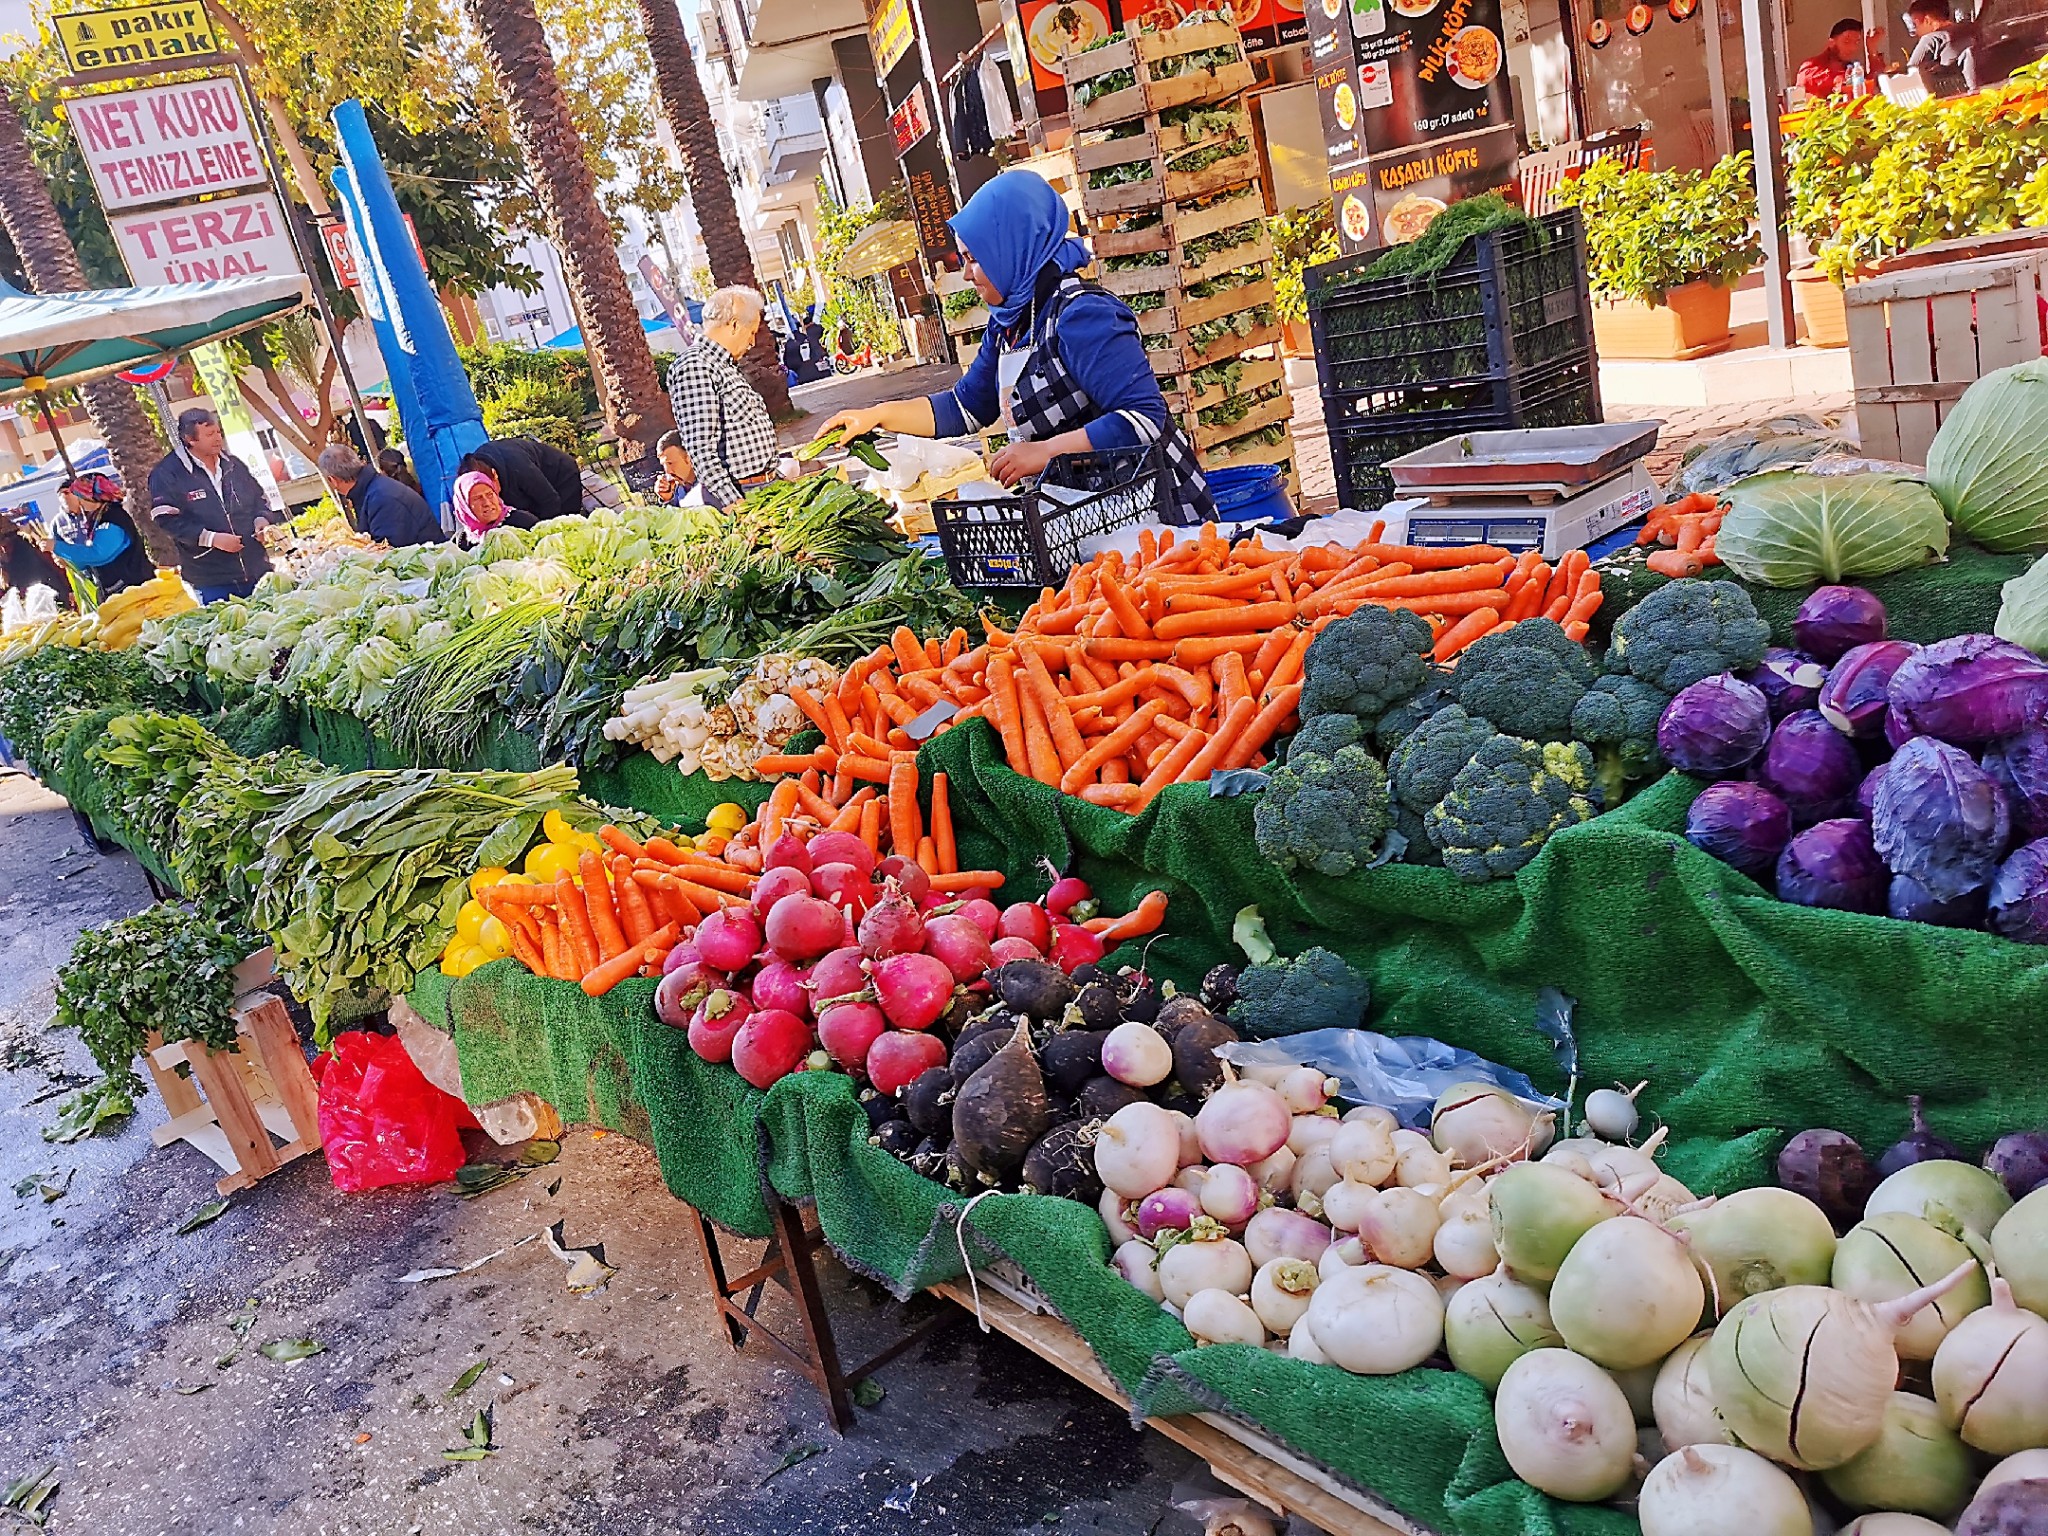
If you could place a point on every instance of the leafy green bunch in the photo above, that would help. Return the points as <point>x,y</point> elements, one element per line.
<point>168,968</point>
<point>38,687</point>
<point>1648,232</point>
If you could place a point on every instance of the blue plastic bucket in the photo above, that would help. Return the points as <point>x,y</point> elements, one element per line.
<point>1250,493</point>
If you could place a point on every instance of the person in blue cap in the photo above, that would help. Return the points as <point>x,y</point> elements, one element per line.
<point>1061,359</point>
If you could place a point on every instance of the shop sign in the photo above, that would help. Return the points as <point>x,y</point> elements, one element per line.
<point>1270,24</point>
<point>168,141</point>
<point>243,236</point>
<point>931,204</point>
<point>1351,202</point>
<point>889,34</point>
<point>1337,98</point>
<point>1446,72</point>
<point>145,37</point>
<point>911,121</point>
<point>1052,30</point>
<point>1411,188</point>
<point>1329,34</point>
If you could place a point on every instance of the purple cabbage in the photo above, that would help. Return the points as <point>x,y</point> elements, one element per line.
<point>1911,902</point>
<point>1896,731</point>
<point>2020,765</point>
<point>1811,766</point>
<point>1834,620</point>
<point>1834,864</point>
<point>1852,700</point>
<point>1972,688</point>
<point>1866,792</point>
<point>1741,824</point>
<point>1716,726</point>
<point>2019,895</point>
<point>1940,818</point>
<point>1787,679</point>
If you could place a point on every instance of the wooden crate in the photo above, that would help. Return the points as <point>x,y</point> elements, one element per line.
<point>1228,452</point>
<point>1258,373</point>
<point>232,1104</point>
<point>1154,279</point>
<point>1163,184</point>
<point>1254,251</point>
<point>1919,338</point>
<point>970,322</point>
<point>1167,361</point>
<point>1265,414</point>
<point>1130,242</point>
<point>1159,322</point>
<point>1147,56</point>
<point>1194,311</point>
<point>1230,344</point>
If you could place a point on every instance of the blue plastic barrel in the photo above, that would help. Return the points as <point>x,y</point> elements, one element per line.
<point>1250,493</point>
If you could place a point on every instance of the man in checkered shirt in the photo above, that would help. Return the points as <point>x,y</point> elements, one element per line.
<point>723,421</point>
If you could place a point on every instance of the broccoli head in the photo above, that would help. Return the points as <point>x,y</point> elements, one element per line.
<point>1327,814</point>
<point>1365,663</point>
<point>1397,722</point>
<point>1422,766</point>
<point>1326,736</point>
<point>1525,679</point>
<point>1420,849</point>
<point>1507,801</point>
<point>1314,990</point>
<point>1688,630</point>
<point>1618,720</point>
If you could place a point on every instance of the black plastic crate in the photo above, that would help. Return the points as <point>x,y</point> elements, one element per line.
<point>1514,299</point>
<point>1032,539</point>
<point>1565,395</point>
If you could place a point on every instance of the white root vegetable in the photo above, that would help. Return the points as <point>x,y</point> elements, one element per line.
<point>1218,1317</point>
<point>1374,1113</point>
<point>1991,1377</point>
<point>1138,1263</point>
<point>1281,1291</point>
<point>1275,1174</point>
<point>1611,1113</point>
<point>1564,1426</point>
<point>1230,1195</point>
<point>1138,1150</point>
<point>1464,1245</point>
<point>2021,1466</point>
<point>1137,1054</point>
<point>1313,1173</point>
<point>1917,1465</point>
<point>1892,1253</point>
<point>1278,1233</point>
<point>1682,1401</point>
<point>1302,1345</point>
<point>1111,1209</point>
<point>1399,1228</point>
<point>1190,1143</point>
<point>1492,1322</point>
<point>2019,1245</point>
<point>1311,1131</point>
<point>1476,1122</point>
<point>1345,1253</point>
<point>1758,1240</point>
<point>1204,1263</point>
<point>1362,1151</point>
<point>1627,1294</point>
<point>1376,1321</point>
<point>1720,1490</point>
<point>1417,1161</point>
<point>1945,1192</point>
<point>1306,1090</point>
<point>1539,1210</point>
<point>1345,1204</point>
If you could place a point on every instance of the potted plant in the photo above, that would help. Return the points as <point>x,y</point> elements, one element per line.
<point>1301,239</point>
<point>1664,250</point>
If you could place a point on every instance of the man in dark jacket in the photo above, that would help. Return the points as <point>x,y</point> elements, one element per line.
<point>207,500</point>
<point>388,510</point>
<point>533,476</point>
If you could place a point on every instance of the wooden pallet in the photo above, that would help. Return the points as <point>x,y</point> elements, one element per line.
<point>1264,414</point>
<point>1225,454</point>
<point>1253,251</point>
<point>970,322</point>
<point>251,1109</point>
<point>1163,184</point>
<point>1252,1463</point>
<point>1152,89</point>
<point>1230,344</point>
<point>1193,311</point>
<point>1153,279</point>
<point>1258,372</point>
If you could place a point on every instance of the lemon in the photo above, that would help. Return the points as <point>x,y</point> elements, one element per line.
<point>462,959</point>
<point>517,880</point>
<point>494,938</point>
<point>549,861</point>
<point>556,830</point>
<point>470,920</point>
<point>727,818</point>
<point>484,879</point>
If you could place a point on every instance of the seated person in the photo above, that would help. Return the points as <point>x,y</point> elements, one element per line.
<point>534,476</point>
<point>479,508</point>
<point>1827,72</point>
<point>676,485</point>
<point>1946,49</point>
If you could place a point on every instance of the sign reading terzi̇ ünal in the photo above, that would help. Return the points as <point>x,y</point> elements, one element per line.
<point>168,141</point>
<point>243,236</point>
<point>144,37</point>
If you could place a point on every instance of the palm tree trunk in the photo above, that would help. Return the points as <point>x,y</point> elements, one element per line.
<point>51,262</point>
<point>689,118</point>
<point>514,41</point>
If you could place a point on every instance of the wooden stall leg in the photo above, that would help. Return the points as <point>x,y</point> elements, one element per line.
<point>228,1097</point>
<point>800,1250</point>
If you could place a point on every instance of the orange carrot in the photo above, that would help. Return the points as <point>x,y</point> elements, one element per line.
<point>1115,649</point>
<point>1478,622</point>
<point>1288,668</point>
<point>527,952</point>
<point>720,876</point>
<point>785,762</point>
<point>1169,767</point>
<point>597,901</point>
<point>1241,619</point>
<point>927,855</point>
<point>1447,604</point>
<point>522,895</point>
<point>1066,740</point>
<point>577,933</point>
<point>848,819</point>
<point>635,916</point>
<point>813,710</point>
<point>1577,630</point>
<point>1126,613</point>
<point>554,956</point>
<point>871,825</point>
<point>1039,752</point>
<point>1231,682</point>
<point>615,970</point>
<point>664,849</point>
<point>1271,651</point>
<point>1236,719</point>
<point>1142,919</point>
<point>904,830</point>
<point>1265,726</point>
<point>1009,719</point>
<point>1119,797</point>
<point>968,879</point>
<point>873,769</point>
<point>1114,745</point>
<point>617,840</point>
<point>813,804</point>
<point>942,826</point>
<point>1429,583</point>
<point>781,804</point>
<point>1526,600</point>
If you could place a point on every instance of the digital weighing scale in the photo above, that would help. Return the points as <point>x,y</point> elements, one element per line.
<point>1551,489</point>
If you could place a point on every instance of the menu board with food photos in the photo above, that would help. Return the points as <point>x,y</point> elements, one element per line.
<point>1414,186</point>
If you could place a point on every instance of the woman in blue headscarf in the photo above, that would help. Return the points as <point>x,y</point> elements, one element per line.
<point>1061,354</point>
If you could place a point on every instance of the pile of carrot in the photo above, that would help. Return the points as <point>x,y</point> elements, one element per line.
<point>1158,669</point>
<point>1686,528</point>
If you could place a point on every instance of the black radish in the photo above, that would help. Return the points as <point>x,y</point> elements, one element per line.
<point>1002,1110</point>
<point>1219,987</point>
<point>1034,988</point>
<point>1100,1007</point>
<point>1063,1163</point>
<point>928,1101</point>
<point>878,1107</point>
<point>1069,1060</point>
<point>970,1056</point>
<point>898,1138</point>
<point>1141,1000</point>
<point>1195,1063</point>
<point>1101,1097</point>
<point>1179,1012</point>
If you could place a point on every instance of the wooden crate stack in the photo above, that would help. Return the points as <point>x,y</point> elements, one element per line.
<point>1168,221</point>
<point>965,326</point>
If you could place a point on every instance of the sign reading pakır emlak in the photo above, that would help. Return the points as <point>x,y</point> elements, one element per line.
<point>139,35</point>
<point>167,141</point>
<point>243,236</point>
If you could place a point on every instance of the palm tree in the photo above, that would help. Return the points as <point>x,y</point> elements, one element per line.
<point>689,118</point>
<point>516,45</point>
<point>51,262</point>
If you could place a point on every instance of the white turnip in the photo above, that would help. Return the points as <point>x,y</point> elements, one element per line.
<point>1757,1240</point>
<point>1375,1320</point>
<point>1345,1204</point>
<point>1113,1208</point>
<point>1281,1291</point>
<point>1475,1123</point>
<point>1917,1465</point>
<point>1564,1426</point>
<point>1991,1377</point>
<point>1313,1174</point>
<point>1137,1054</point>
<point>1949,1194</point>
<point>1190,1143</point>
<point>1311,1131</point>
<point>1464,1245</point>
<point>1399,1227</point>
<point>1218,1317</point>
<point>1342,1254</point>
<point>1138,1263</point>
<point>1627,1294</point>
<point>1492,1322</point>
<point>1274,1174</point>
<point>1305,1090</point>
<point>1138,1150</point>
<point>1302,1345</point>
<point>1682,1399</point>
<point>1720,1490</point>
<point>1891,1254</point>
<point>1205,1260</point>
<point>1230,1195</point>
<point>1242,1122</point>
<point>1167,1210</point>
<point>1278,1233</point>
<point>1538,1211</point>
<point>1416,1161</point>
<point>1362,1151</point>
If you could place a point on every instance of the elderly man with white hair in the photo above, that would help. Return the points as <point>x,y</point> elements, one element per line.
<point>722,419</point>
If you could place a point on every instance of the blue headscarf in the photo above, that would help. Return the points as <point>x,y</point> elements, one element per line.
<point>1013,226</point>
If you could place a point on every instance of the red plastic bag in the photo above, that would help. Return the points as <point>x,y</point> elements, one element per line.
<point>381,1121</point>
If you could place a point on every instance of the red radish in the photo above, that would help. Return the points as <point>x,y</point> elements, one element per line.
<point>961,945</point>
<point>891,926</point>
<point>777,884</point>
<point>1003,951</point>
<point>788,852</point>
<point>684,957</point>
<point>1167,1210</point>
<point>717,1019</point>
<point>984,914</point>
<point>680,992</point>
<point>913,989</point>
<point>1074,947</point>
<point>1024,920</point>
<point>841,848</point>
<point>895,1060</point>
<point>803,927</point>
<point>778,984</point>
<point>729,938</point>
<point>842,973</point>
<point>844,885</point>
<point>909,874</point>
<point>769,1046</point>
<point>1064,894</point>
<point>846,1030</point>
